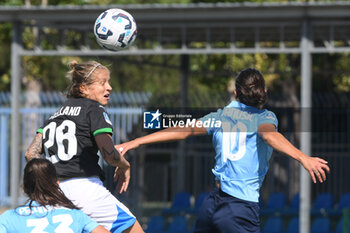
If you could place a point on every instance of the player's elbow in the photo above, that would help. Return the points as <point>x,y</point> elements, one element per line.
<point>268,137</point>
<point>186,134</point>
<point>29,155</point>
<point>26,155</point>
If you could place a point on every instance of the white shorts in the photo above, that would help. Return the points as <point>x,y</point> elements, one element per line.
<point>97,202</point>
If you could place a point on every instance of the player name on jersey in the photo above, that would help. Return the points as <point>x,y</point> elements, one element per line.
<point>233,113</point>
<point>35,209</point>
<point>67,110</point>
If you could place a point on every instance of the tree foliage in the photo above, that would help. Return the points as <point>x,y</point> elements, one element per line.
<point>5,50</point>
<point>159,73</point>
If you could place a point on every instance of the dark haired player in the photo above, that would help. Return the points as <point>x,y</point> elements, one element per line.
<point>243,145</point>
<point>48,209</point>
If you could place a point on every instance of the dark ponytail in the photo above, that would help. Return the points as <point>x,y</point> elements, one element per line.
<point>250,88</point>
<point>40,184</point>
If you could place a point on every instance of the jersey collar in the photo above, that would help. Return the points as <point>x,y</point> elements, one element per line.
<point>34,203</point>
<point>236,104</point>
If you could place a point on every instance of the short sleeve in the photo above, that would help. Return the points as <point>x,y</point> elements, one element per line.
<point>41,128</point>
<point>268,117</point>
<point>2,223</point>
<point>211,117</point>
<point>99,121</point>
<point>2,229</point>
<point>87,223</point>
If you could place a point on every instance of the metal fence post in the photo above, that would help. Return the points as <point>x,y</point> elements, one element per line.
<point>305,139</point>
<point>15,119</point>
<point>346,215</point>
<point>4,159</point>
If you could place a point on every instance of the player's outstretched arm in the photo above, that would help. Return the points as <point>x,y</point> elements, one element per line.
<point>165,135</point>
<point>315,166</point>
<point>35,148</point>
<point>112,157</point>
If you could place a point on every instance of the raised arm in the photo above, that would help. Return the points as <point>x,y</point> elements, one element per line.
<point>112,157</point>
<point>35,148</point>
<point>165,135</point>
<point>314,165</point>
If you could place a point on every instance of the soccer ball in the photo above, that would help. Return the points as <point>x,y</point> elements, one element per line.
<point>115,29</point>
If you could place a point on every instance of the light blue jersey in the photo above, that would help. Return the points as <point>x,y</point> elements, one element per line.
<point>242,156</point>
<point>49,219</point>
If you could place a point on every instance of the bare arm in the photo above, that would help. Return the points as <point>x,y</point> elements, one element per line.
<point>100,229</point>
<point>112,157</point>
<point>109,153</point>
<point>35,148</point>
<point>165,135</point>
<point>315,166</point>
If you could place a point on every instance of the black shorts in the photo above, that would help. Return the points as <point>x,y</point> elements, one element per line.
<point>224,213</point>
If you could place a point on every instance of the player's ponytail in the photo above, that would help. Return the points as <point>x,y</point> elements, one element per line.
<point>72,64</point>
<point>250,88</point>
<point>40,184</point>
<point>81,74</point>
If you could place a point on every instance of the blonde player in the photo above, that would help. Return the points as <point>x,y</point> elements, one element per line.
<point>71,138</point>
